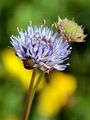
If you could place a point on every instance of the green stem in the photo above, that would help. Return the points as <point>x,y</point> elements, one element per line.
<point>29,97</point>
<point>36,86</point>
<point>38,82</point>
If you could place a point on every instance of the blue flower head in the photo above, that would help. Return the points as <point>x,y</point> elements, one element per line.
<point>40,47</point>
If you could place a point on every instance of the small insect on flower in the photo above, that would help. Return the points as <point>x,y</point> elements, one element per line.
<point>40,47</point>
<point>70,30</point>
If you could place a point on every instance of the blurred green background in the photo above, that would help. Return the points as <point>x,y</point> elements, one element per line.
<point>17,13</point>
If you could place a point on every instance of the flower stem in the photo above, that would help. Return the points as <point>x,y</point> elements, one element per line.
<point>29,97</point>
<point>37,84</point>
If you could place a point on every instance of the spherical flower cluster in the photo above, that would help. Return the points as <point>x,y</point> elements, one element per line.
<point>40,47</point>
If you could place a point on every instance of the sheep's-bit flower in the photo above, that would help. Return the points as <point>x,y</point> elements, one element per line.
<point>70,30</point>
<point>39,47</point>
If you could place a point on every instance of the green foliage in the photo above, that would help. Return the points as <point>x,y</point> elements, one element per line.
<point>11,98</point>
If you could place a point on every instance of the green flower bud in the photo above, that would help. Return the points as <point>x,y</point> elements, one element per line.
<point>70,30</point>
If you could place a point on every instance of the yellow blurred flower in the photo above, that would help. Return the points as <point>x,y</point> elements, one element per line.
<point>14,66</point>
<point>56,93</point>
